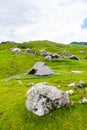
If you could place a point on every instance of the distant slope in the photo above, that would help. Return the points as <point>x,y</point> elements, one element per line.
<point>79,43</point>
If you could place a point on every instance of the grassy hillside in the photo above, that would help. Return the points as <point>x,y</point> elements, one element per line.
<point>14,83</point>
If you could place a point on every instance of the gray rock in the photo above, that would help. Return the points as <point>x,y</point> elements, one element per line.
<point>70,92</point>
<point>84,100</point>
<point>42,51</point>
<point>71,84</point>
<point>15,50</point>
<point>54,56</point>
<point>73,57</point>
<point>42,98</point>
<point>59,52</point>
<point>48,57</point>
<point>81,84</point>
<point>28,50</point>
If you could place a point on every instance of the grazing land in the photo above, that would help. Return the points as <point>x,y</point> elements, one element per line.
<point>15,82</point>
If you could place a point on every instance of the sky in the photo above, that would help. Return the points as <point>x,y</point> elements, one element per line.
<point>62,21</point>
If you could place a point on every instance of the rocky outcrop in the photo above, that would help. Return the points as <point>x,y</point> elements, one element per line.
<point>42,98</point>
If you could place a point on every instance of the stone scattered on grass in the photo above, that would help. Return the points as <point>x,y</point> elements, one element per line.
<point>80,84</point>
<point>42,98</point>
<point>70,92</point>
<point>73,57</point>
<point>48,57</point>
<point>77,71</point>
<point>15,50</point>
<point>84,100</point>
<point>71,84</point>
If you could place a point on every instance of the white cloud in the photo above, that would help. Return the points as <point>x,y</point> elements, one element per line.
<point>54,20</point>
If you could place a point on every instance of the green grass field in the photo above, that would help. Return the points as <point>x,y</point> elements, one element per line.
<point>14,83</point>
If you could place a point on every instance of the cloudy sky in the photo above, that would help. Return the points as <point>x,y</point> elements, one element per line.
<point>56,20</point>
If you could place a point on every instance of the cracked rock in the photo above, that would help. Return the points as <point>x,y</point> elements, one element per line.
<point>42,98</point>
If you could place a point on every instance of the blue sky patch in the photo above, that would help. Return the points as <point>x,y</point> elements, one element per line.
<point>84,25</point>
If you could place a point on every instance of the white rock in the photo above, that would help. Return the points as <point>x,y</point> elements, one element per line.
<point>77,71</point>
<point>48,57</point>
<point>71,84</point>
<point>81,84</point>
<point>16,50</point>
<point>84,100</point>
<point>42,98</point>
<point>70,92</point>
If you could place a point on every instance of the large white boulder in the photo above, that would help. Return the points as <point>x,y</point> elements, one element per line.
<point>42,98</point>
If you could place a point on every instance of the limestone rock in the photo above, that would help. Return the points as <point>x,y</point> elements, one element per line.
<point>84,100</point>
<point>81,84</point>
<point>70,92</point>
<point>71,84</point>
<point>16,50</point>
<point>73,57</point>
<point>42,98</point>
<point>48,57</point>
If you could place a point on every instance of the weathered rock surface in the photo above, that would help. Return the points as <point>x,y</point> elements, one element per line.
<point>81,84</point>
<point>16,50</point>
<point>73,57</point>
<point>70,92</point>
<point>42,98</point>
<point>71,84</point>
<point>84,100</point>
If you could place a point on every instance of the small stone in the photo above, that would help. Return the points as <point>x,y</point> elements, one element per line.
<point>81,84</point>
<point>70,92</point>
<point>71,84</point>
<point>84,100</point>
